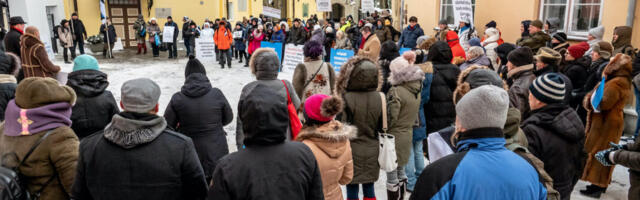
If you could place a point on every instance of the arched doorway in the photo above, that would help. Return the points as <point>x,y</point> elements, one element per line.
<point>337,11</point>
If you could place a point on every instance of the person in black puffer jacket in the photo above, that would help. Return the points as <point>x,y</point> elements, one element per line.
<point>576,69</point>
<point>600,55</point>
<point>9,65</point>
<point>555,133</point>
<point>96,105</point>
<point>445,75</point>
<point>388,52</point>
<point>200,112</point>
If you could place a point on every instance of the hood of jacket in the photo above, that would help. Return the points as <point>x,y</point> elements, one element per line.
<point>554,24</point>
<point>560,119</point>
<point>480,60</point>
<point>512,126</point>
<point>518,71</point>
<point>9,63</point>
<point>88,83</point>
<point>264,64</point>
<point>440,53</point>
<point>134,129</point>
<point>624,36</point>
<point>29,40</point>
<point>196,85</point>
<point>329,137</point>
<point>359,74</point>
<point>400,75</point>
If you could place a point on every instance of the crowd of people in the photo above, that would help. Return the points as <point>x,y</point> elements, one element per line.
<point>496,120</point>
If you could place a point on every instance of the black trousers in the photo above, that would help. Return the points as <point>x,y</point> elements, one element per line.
<point>77,44</point>
<point>225,53</point>
<point>172,48</point>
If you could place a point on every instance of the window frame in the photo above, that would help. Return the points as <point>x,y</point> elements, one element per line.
<point>569,19</point>
<point>442,4</point>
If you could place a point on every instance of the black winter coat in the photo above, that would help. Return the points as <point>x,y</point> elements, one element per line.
<point>576,71</point>
<point>440,112</point>
<point>78,29</point>
<point>95,105</point>
<point>7,92</point>
<point>556,136</point>
<point>296,36</point>
<point>12,42</point>
<point>200,112</point>
<point>110,32</point>
<point>594,76</point>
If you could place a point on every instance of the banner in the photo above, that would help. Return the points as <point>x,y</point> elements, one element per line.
<point>205,50</point>
<point>339,57</point>
<point>367,6</point>
<point>271,12</point>
<point>462,10</point>
<point>167,34</point>
<point>293,55</point>
<point>103,12</point>
<point>275,46</point>
<point>323,5</point>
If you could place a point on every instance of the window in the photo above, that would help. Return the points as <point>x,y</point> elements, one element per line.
<point>576,16</point>
<point>446,11</point>
<point>242,5</point>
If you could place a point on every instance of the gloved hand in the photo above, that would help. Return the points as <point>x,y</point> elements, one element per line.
<point>603,156</point>
<point>617,146</point>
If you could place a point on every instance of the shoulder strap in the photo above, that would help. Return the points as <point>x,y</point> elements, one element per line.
<point>287,88</point>
<point>384,112</point>
<point>313,76</point>
<point>33,148</point>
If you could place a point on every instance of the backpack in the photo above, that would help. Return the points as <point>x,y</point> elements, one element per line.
<point>12,182</point>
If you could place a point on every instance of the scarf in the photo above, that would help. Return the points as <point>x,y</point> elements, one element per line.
<point>21,31</point>
<point>20,121</point>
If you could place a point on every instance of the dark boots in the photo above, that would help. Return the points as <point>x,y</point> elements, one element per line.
<point>593,191</point>
<point>397,191</point>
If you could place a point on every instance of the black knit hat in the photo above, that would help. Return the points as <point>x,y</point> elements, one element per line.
<point>560,36</point>
<point>521,56</point>
<point>549,88</point>
<point>194,66</point>
<point>491,24</point>
<point>503,51</point>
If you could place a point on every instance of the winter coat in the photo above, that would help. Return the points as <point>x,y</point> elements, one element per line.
<point>465,35</point>
<point>318,35</point>
<point>200,112</point>
<point>332,149</point>
<point>363,109</point>
<point>556,136</point>
<point>371,48</point>
<point>576,71</point>
<point>607,125</point>
<point>12,41</point>
<point>153,30</point>
<point>8,84</point>
<point>445,75</point>
<point>410,36</point>
<point>175,29</point>
<point>403,107</point>
<point>57,156</point>
<point>594,76</point>
<point>355,36</point>
<point>35,61</point>
<point>122,162</point>
<point>490,44</point>
<point>254,42</point>
<point>185,28</point>
<point>95,105</point>
<point>481,158</point>
<point>278,37</point>
<point>191,34</point>
<point>266,74</point>
<point>297,36</point>
<point>384,68</point>
<point>562,49</point>
<point>239,43</point>
<point>480,60</point>
<point>535,41</point>
<point>65,37</point>
<point>630,157</point>
<point>343,43</point>
<point>78,29</point>
<point>110,35</point>
<point>521,78</point>
<point>384,34</point>
<point>323,83</point>
<point>223,38</point>
<point>139,26</point>
<point>420,132</point>
<point>454,44</point>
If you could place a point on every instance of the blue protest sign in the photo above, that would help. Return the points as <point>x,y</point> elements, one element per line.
<point>339,57</point>
<point>402,50</point>
<point>275,46</point>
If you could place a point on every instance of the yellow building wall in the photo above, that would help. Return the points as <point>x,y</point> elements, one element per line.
<point>88,12</point>
<point>313,9</point>
<point>190,8</point>
<point>507,13</point>
<point>427,12</point>
<point>614,14</point>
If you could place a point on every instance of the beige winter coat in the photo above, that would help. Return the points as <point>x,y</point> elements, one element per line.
<point>330,144</point>
<point>65,37</point>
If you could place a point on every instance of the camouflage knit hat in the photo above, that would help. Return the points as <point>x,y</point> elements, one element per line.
<point>548,56</point>
<point>605,49</point>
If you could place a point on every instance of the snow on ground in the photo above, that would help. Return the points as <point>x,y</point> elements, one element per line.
<point>169,74</point>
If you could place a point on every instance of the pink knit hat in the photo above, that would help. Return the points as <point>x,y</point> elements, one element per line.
<point>322,108</point>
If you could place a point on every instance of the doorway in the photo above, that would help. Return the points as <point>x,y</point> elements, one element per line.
<point>123,14</point>
<point>337,12</point>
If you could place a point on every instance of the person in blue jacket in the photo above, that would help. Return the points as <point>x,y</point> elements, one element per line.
<point>482,168</point>
<point>410,34</point>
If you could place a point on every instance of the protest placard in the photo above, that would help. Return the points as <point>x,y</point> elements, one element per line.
<point>205,50</point>
<point>167,34</point>
<point>277,46</point>
<point>339,57</point>
<point>323,5</point>
<point>462,10</point>
<point>293,55</point>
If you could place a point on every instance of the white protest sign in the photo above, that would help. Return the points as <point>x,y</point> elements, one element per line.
<point>237,34</point>
<point>367,6</point>
<point>205,50</point>
<point>271,12</point>
<point>293,55</point>
<point>323,5</point>
<point>167,34</point>
<point>462,10</point>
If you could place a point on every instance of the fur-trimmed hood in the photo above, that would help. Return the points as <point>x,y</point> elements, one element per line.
<point>264,64</point>
<point>129,133</point>
<point>619,66</point>
<point>519,70</point>
<point>9,63</point>
<point>368,77</point>
<point>330,137</point>
<point>404,74</point>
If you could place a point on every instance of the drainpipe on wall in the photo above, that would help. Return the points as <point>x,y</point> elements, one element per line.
<point>631,12</point>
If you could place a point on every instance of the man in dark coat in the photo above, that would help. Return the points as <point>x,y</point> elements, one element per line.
<point>547,61</point>
<point>575,69</point>
<point>95,105</point>
<point>269,167</point>
<point>136,157</point>
<point>12,39</point>
<point>110,36</point>
<point>600,55</point>
<point>78,30</point>
<point>555,133</point>
<point>200,112</point>
<point>410,34</point>
<point>519,77</point>
<point>187,37</point>
<point>538,38</point>
<point>172,47</point>
<point>445,77</point>
<point>296,34</point>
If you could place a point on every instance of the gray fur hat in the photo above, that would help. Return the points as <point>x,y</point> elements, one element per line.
<point>483,107</point>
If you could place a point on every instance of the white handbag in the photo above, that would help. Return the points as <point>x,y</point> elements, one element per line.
<point>388,159</point>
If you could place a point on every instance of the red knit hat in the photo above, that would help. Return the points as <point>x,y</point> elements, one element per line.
<point>322,108</point>
<point>577,50</point>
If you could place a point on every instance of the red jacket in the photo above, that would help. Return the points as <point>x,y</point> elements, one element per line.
<point>454,44</point>
<point>223,38</point>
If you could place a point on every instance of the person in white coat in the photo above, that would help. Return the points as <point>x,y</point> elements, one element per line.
<point>490,42</point>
